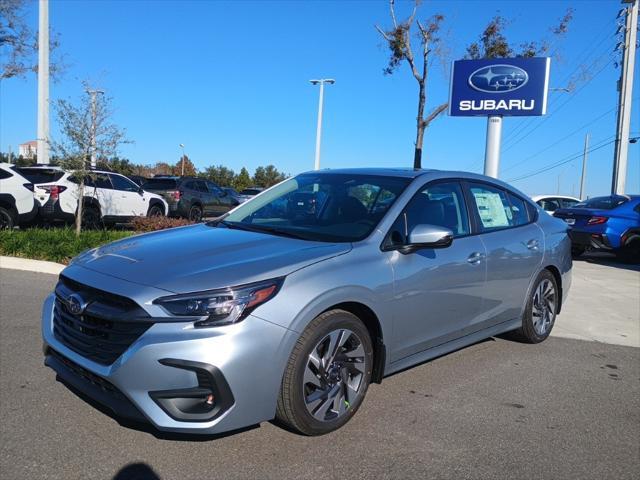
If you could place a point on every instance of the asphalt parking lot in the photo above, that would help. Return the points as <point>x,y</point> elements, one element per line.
<point>567,408</point>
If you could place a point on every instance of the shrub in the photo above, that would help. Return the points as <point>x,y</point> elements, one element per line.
<point>54,244</point>
<point>150,224</point>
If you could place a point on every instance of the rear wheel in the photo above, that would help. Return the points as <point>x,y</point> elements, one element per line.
<point>6,219</point>
<point>195,213</point>
<point>541,309</point>
<point>328,374</point>
<point>630,253</point>
<point>90,217</point>
<point>577,251</point>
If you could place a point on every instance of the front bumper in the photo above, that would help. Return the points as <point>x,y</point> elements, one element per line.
<point>151,380</point>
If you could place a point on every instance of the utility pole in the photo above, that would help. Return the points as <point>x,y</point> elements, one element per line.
<point>93,94</point>
<point>583,177</point>
<point>320,82</point>
<point>43,82</point>
<point>492,152</point>
<point>625,86</point>
<point>182,147</point>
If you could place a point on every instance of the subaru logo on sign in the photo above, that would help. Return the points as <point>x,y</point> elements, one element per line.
<point>76,304</point>
<point>498,78</point>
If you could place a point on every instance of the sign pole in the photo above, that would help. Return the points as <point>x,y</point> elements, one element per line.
<point>492,152</point>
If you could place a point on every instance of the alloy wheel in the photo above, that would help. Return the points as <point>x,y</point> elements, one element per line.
<point>334,375</point>
<point>544,307</point>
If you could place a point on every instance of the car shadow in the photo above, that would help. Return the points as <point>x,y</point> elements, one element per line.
<point>136,471</point>
<point>607,260</point>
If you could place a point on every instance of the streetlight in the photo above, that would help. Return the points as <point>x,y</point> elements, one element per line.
<point>182,147</point>
<point>320,82</point>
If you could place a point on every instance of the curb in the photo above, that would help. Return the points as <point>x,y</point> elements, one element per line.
<point>28,265</point>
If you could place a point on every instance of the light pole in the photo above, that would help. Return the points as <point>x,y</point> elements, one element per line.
<point>93,94</point>
<point>182,147</point>
<point>320,82</point>
<point>43,82</point>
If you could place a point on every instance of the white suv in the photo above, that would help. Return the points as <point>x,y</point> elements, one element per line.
<point>17,205</point>
<point>108,197</point>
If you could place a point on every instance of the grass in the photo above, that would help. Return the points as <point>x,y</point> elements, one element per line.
<point>54,244</point>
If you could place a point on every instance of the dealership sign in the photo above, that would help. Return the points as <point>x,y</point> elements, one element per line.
<point>501,86</point>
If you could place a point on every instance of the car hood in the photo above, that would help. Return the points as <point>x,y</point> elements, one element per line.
<point>201,257</point>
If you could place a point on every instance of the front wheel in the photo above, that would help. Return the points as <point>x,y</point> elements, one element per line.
<point>155,211</point>
<point>541,309</point>
<point>327,375</point>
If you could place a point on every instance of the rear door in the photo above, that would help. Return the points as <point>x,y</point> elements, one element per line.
<point>224,201</point>
<point>514,246</point>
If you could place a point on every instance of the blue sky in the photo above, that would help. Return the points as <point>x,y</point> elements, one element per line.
<point>230,81</point>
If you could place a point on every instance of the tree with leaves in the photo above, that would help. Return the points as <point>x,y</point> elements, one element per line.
<point>267,176</point>
<point>189,168</point>
<point>221,175</point>
<point>242,180</point>
<point>492,44</point>
<point>19,43</point>
<point>86,128</point>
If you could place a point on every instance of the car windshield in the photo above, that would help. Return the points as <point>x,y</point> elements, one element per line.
<point>41,175</point>
<point>603,203</point>
<point>320,206</point>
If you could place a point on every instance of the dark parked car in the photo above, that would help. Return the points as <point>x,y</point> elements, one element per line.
<point>610,224</point>
<point>192,198</point>
<point>138,180</point>
<point>251,192</point>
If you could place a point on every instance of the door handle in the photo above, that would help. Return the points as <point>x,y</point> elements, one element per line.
<point>533,244</point>
<point>475,258</point>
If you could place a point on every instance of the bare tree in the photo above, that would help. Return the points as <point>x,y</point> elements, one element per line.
<point>398,40</point>
<point>85,128</point>
<point>19,43</point>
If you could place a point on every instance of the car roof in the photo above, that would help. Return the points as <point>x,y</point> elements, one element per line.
<point>535,198</point>
<point>384,172</point>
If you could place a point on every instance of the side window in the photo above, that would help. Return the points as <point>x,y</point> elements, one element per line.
<point>518,210</point>
<point>549,204</point>
<point>201,186</point>
<point>190,185</point>
<point>213,188</point>
<point>440,204</point>
<point>4,174</point>
<point>102,181</point>
<point>121,183</point>
<point>492,207</point>
<point>566,203</point>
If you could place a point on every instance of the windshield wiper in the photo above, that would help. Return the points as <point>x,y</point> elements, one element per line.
<point>261,229</point>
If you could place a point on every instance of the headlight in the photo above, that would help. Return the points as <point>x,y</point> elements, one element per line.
<point>221,307</point>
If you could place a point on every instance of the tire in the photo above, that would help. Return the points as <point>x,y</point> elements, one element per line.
<point>155,211</point>
<point>320,393</point>
<point>7,221</point>
<point>577,251</point>
<point>630,253</point>
<point>91,217</point>
<point>195,213</point>
<point>539,317</point>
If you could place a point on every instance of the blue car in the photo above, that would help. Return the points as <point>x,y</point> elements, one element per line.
<point>610,224</point>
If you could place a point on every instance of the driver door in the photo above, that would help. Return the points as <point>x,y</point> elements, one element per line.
<point>129,202</point>
<point>438,291</point>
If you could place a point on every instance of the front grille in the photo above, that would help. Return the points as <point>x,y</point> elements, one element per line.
<point>105,329</point>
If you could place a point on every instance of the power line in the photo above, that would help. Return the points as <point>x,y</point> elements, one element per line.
<point>565,160</point>
<point>577,130</point>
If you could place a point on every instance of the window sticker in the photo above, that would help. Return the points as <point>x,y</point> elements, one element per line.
<point>491,209</point>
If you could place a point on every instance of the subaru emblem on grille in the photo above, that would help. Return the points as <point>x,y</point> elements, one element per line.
<point>76,304</point>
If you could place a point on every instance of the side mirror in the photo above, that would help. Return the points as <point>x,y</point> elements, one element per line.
<point>427,236</point>
<point>141,191</point>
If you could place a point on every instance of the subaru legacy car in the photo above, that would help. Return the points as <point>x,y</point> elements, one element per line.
<point>606,224</point>
<point>290,305</point>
